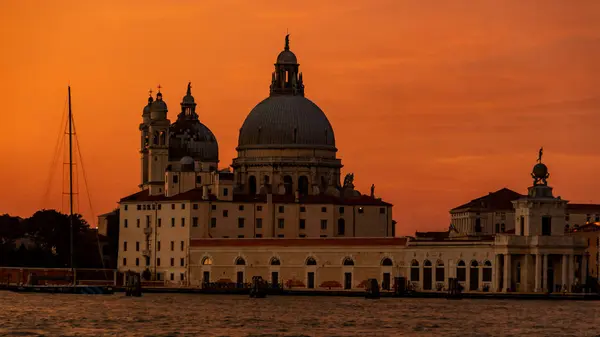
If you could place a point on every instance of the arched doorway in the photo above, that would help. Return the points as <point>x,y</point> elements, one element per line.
<point>461,271</point>
<point>414,271</point>
<point>240,263</point>
<point>303,185</point>
<point>252,185</point>
<point>348,262</point>
<point>439,272</point>
<point>275,263</point>
<point>288,183</point>
<point>386,281</point>
<point>474,276</point>
<point>427,275</point>
<point>311,264</point>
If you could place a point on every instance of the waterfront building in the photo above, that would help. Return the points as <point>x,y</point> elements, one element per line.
<point>282,212</point>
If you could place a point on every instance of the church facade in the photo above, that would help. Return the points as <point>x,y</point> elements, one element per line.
<point>283,212</point>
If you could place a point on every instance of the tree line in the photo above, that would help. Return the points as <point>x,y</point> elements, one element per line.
<point>43,240</point>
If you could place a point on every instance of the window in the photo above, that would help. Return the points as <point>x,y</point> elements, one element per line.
<point>478,225</point>
<point>439,271</point>
<point>281,209</point>
<point>225,192</point>
<point>124,246</point>
<point>522,225</point>
<point>302,235</point>
<point>159,205</point>
<point>182,222</point>
<point>597,218</point>
<point>259,208</point>
<point>302,223</point>
<point>323,224</point>
<point>138,223</point>
<point>172,222</point>
<point>125,207</point>
<point>159,222</point>
<point>361,210</point>
<point>341,210</point>
<point>172,262</point>
<point>348,262</point>
<point>125,223</point>
<point>461,271</point>
<point>258,235</point>
<point>497,228</point>
<point>241,207</point>
<point>124,261</point>
<point>225,213</point>
<point>137,261</point>
<point>182,276</point>
<point>546,226</point>
<point>158,246</point>
<point>213,222</point>
<point>182,206</point>
<point>302,209</point>
<point>198,179</point>
<point>213,207</point>
<point>382,210</point>
<point>158,261</point>
<point>172,245</point>
<point>279,235</point>
<point>502,228</point>
<point>240,222</point>
<point>172,206</point>
<point>341,230</point>
<point>323,235</point>
<point>172,277</point>
<point>195,222</point>
<point>175,179</point>
<point>147,261</point>
<point>567,217</point>
<point>280,223</point>
<point>258,222</point>
<point>139,207</point>
<point>195,206</point>
<point>137,246</point>
<point>153,206</point>
<point>182,262</point>
<point>324,209</point>
<point>240,236</point>
<point>182,245</point>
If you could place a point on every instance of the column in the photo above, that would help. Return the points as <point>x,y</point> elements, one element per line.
<point>467,276</point>
<point>545,272</point>
<point>497,274</point>
<point>421,283</point>
<point>571,271</point>
<point>507,276</point>
<point>583,268</point>
<point>538,273</point>
<point>526,273</point>
<point>564,270</point>
<point>480,271</point>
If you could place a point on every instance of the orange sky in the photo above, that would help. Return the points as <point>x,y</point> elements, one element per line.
<point>435,102</point>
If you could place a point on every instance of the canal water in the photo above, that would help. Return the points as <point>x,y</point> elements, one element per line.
<point>229,315</point>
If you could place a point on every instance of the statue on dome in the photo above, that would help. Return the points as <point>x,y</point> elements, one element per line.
<point>349,180</point>
<point>372,190</point>
<point>540,153</point>
<point>540,173</point>
<point>287,42</point>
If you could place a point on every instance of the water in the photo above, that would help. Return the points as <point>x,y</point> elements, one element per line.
<point>209,315</point>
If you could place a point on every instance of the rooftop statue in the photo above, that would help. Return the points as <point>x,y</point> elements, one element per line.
<point>541,152</point>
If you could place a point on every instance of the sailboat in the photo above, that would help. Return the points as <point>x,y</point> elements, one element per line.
<point>72,288</point>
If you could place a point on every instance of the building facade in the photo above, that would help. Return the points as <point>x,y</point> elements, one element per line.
<point>282,212</point>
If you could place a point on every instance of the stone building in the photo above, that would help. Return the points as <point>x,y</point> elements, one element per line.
<point>283,214</point>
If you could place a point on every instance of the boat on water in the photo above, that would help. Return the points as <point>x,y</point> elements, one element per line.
<point>69,284</point>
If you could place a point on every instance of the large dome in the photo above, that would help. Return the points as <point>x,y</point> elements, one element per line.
<point>283,121</point>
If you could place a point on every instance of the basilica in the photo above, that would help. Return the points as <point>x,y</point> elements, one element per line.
<point>283,212</point>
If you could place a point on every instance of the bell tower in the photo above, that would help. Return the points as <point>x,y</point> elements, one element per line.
<point>158,148</point>
<point>540,213</point>
<point>144,143</point>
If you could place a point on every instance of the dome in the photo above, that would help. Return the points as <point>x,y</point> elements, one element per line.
<point>146,110</point>
<point>158,109</point>
<point>190,138</point>
<point>540,170</point>
<point>286,121</point>
<point>287,57</point>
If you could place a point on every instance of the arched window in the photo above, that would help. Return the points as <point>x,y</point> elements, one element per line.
<point>348,262</point>
<point>341,229</point>
<point>497,228</point>
<point>287,183</point>
<point>487,271</point>
<point>163,138</point>
<point>206,261</point>
<point>240,261</point>
<point>252,185</point>
<point>303,185</point>
<point>474,264</point>
<point>427,263</point>
<point>275,261</point>
<point>461,271</point>
<point>387,262</point>
<point>439,271</point>
<point>414,270</point>
<point>311,261</point>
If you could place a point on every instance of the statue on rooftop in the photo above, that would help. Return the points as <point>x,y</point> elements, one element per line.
<point>540,153</point>
<point>372,190</point>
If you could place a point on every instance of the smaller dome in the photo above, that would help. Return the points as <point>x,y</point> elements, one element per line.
<point>158,109</point>
<point>147,107</point>
<point>540,170</point>
<point>287,57</point>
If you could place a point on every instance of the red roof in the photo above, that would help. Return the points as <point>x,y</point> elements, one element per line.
<point>499,200</point>
<point>298,242</point>
<point>196,195</point>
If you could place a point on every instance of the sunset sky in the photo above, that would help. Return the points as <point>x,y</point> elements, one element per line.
<point>434,102</point>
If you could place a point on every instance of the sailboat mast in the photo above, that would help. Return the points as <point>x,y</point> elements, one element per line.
<point>70,180</point>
